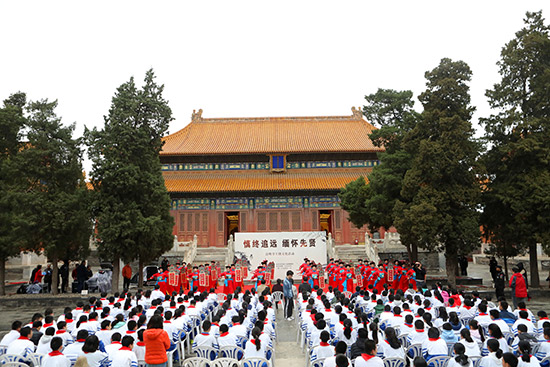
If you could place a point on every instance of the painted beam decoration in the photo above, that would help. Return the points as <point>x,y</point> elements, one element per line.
<point>286,250</point>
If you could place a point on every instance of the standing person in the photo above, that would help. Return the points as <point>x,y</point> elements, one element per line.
<point>156,342</point>
<point>81,276</point>
<point>48,278</point>
<point>493,267</point>
<point>499,282</point>
<point>36,275</point>
<point>519,287</point>
<point>127,276</point>
<point>463,262</point>
<point>164,264</point>
<point>288,293</point>
<point>420,275</point>
<point>64,275</point>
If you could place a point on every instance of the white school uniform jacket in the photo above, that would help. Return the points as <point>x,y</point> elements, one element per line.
<point>491,361</point>
<point>55,359</point>
<point>227,340</point>
<point>502,325</point>
<point>112,349</point>
<point>483,319</point>
<point>472,349</point>
<point>104,335</point>
<point>21,346</point>
<point>322,351</point>
<point>534,362</point>
<point>43,346</point>
<point>385,350</point>
<point>205,340</point>
<point>9,337</point>
<point>417,336</point>
<point>251,352</point>
<point>437,347</point>
<point>125,357</point>
<point>139,350</point>
<point>74,348</point>
<point>66,336</point>
<point>453,363</point>
<point>97,359</point>
<point>238,330</point>
<point>527,323</point>
<point>371,361</point>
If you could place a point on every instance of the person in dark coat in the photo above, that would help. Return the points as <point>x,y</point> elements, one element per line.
<point>463,262</point>
<point>493,267</point>
<point>81,276</point>
<point>500,282</point>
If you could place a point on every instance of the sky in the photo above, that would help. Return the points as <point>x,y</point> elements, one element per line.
<point>247,58</point>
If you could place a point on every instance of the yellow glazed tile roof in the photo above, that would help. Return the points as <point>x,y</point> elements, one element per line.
<point>271,135</point>
<point>236,181</point>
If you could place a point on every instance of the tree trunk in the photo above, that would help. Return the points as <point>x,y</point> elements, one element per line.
<point>534,265</point>
<point>140,273</point>
<point>2,277</point>
<point>55,272</point>
<point>116,275</point>
<point>451,264</point>
<point>414,252</point>
<point>409,252</point>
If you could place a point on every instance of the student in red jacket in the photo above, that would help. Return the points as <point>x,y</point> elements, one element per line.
<point>519,287</point>
<point>156,342</point>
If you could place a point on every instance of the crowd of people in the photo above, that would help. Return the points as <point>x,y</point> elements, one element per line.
<point>364,314</point>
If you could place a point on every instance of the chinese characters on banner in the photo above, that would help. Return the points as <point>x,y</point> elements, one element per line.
<point>286,249</point>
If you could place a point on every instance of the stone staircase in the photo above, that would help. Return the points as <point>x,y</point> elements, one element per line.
<point>350,253</point>
<point>208,254</point>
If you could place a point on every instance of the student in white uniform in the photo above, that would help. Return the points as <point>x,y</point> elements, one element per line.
<point>94,356</point>
<point>369,359</point>
<point>22,346</point>
<point>509,360</point>
<point>13,334</point>
<point>55,358</point>
<point>340,349</point>
<point>460,359</point>
<point>494,359</point>
<point>434,346</point>
<point>470,345</point>
<point>526,359</point>
<point>324,349</point>
<point>390,346</point>
<point>254,348</point>
<point>125,357</point>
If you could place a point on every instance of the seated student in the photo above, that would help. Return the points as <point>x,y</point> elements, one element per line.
<point>55,358</point>
<point>509,360</point>
<point>13,334</point>
<point>524,335</point>
<point>226,339</point>
<point>476,331</point>
<point>105,333</point>
<point>523,307</point>
<point>94,356</point>
<point>237,329</point>
<point>347,334</point>
<point>455,323</point>
<point>358,347</point>
<point>63,333</point>
<point>408,326</point>
<point>254,348</point>
<point>324,349</point>
<point>434,346</point>
<point>369,358</point>
<point>43,346</point>
<point>483,317</point>
<point>340,349</point>
<point>448,334</point>
<point>22,346</point>
<point>316,332</point>
<point>543,317</point>
<point>460,359</point>
<point>544,348</point>
<point>418,335</point>
<point>76,347</point>
<point>526,360</point>
<point>125,357</point>
<point>390,346</point>
<point>204,339</point>
<point>112,348</point>
<point>471,347</point>
<point>523,319</point>
<point>494,358</point>
<point>495,319</point>
<point>139,346</point>
<point>495,333</point>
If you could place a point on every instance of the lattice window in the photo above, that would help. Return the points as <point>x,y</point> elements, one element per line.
<point>182,222</point>
<point>314,220</point>
<point>273,221</point>
<point>189,222</point>
<point>205,222</point>
<point>337,220</point>
<point>220,222</point>
<point>285,218</point>
<point>242,218</point>
<point>197,222</point>
<point>296,221</point>
<point>262,225</point>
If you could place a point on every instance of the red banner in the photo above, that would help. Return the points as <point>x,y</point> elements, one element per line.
<point>202,279</point>
<point>359,280</point>
<point>214,273</point>
<point>321,282</point>
<point>267,277</point>
<point>173,279</point>
<point>391,273</point>
<point>238,275</point>
<point>245,271</point>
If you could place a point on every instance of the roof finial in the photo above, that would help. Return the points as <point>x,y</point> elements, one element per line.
<point>357,113</point>
<point>196,116</point>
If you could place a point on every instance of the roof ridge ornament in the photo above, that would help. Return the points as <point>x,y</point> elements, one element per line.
<point>357,113</point>
<point>196,116</point>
